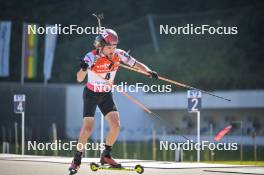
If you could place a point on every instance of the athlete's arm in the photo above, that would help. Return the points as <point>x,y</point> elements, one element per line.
<point>142,67</point>
<point>81,75</point>
<point>132,62</point>
<point>85,63</point>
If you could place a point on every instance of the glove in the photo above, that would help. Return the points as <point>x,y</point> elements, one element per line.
<point>153,74</point>
<point>83,65</point>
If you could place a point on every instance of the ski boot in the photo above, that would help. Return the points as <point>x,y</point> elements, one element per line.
<point>107,159</point>
<point>76,162</point>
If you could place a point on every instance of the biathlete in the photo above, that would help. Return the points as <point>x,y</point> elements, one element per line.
<point>103,61</point>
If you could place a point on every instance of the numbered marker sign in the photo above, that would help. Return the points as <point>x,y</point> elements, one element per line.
<point>194,100</point>
<point>19,103</point>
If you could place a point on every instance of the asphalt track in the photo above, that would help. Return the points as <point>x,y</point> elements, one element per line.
<point>40,165</point>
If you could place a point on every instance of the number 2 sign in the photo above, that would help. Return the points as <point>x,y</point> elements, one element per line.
<point>194,100</point>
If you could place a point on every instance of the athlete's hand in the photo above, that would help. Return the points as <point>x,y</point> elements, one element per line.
<point>153,74</point>
<point>83,65</point>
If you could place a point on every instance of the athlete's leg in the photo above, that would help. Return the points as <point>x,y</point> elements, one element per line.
<point>111,114</point>
<point>109,109</point>
<point>114,127</point>
<point>86,131</point>
<point>89,106</point>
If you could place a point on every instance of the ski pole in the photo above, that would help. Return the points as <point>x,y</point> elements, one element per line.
<point>174,82</point>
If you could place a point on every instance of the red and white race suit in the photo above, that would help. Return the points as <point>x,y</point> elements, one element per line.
<point>106,68</point>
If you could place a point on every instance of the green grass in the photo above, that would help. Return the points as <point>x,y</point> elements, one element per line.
<point>256,163</point>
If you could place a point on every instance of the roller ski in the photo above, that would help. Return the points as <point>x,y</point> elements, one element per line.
<point>108,163</point>
<point>97,166</point>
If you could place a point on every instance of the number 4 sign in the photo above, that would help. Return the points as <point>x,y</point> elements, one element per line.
<point>19,103</point>
<point>194,100</point>
<point>19,107</point>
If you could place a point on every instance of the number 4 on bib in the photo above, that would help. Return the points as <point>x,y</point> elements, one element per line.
<point>107,77</point>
